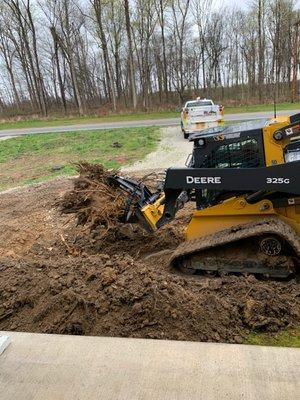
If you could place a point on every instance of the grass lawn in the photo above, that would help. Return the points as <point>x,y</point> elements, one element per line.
<point>263,107</point>
<point>289,338</point>
<point>35,158</point>
<point>57,121</point>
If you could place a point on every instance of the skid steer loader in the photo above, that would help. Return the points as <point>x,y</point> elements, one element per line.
<point>245,182</point>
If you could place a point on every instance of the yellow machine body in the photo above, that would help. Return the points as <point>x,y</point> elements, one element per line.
<point>153,212</point>
<point>236,211</point>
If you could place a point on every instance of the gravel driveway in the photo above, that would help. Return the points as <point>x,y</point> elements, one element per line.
<point>172,151</point>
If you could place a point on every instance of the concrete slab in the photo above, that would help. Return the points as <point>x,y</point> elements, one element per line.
<point>4,342</point>
<point>56,367</point>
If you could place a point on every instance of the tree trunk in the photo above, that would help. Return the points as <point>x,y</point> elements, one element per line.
<point>97,4</point>
<point>39,79</point>
<point>60,81</point>
<point>261,60</point>
<point>165,70</point>
<point>130,56</point>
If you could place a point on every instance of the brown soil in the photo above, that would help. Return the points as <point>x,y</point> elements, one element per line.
<point>57,277</point>
<point>94,202</point>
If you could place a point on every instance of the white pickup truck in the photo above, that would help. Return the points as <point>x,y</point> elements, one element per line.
<point>200,114</point>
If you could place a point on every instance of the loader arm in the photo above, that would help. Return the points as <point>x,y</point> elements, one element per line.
<point>181,185</point>
<point>284,178</point>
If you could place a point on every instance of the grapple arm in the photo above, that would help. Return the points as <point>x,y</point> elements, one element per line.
<point>145,206</point>
<point>154,210</point>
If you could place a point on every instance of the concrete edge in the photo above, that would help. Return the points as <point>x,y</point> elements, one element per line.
<point>4,343</point>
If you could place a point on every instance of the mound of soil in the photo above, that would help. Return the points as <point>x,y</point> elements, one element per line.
<point>58,277</point>
<point>93,200</point>
<point>119,296</point>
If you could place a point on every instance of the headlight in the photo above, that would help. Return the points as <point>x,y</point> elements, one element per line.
<point>278,135</point>
<point>291,156</point>
<point>201,142</point>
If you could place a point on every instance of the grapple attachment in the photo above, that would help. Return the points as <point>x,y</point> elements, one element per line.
<point>142,204</point>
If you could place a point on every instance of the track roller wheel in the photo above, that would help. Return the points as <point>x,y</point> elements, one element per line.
<point>271,246</point>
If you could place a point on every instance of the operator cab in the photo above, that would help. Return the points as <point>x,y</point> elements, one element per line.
<point>243,145</point>
<point>235,146</point>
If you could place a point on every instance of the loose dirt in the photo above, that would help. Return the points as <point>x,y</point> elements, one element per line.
<point>60,277</point>
<point>93,200</point>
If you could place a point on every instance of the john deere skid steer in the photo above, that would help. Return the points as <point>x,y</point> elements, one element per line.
<point>245,183</point>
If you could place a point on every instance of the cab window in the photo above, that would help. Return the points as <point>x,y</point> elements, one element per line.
<point>200,103</point>
<point>244,154</point>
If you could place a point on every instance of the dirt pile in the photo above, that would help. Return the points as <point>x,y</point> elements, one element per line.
<point>57,277</point>
<point>93,200</point>
<point>119,296</point>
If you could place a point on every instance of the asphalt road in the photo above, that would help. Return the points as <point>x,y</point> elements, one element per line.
<point>129,124</point>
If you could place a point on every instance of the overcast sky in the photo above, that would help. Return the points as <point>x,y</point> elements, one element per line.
<point>241,3</point>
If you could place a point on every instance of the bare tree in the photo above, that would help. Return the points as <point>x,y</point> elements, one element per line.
<point>8,56</point>
<point>161,6</point>
<point>131,70</point>
<point>98,10</point>
<point>98,54</point>
<point>180,10</point>
<point>21,14</point>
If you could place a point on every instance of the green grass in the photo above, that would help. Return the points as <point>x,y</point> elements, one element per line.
<point>288,338</point>
<point>262,107</point>
<point>30,159</point>
<point>57,121</point>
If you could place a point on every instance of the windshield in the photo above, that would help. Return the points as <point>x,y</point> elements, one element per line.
<point>199,103</point>
<point>241,154</point>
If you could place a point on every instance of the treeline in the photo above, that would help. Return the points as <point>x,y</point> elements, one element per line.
<point>108,55</point>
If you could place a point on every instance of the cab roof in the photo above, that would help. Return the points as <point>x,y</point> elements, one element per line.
<point>230,129</point>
